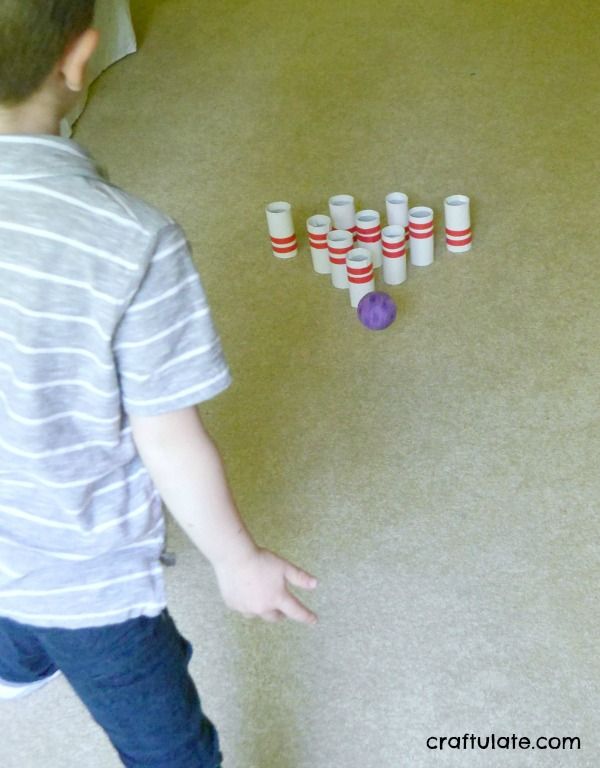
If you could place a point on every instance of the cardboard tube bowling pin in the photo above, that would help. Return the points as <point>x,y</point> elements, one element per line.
<point>458,224</point>
<point>339,243</point>
<point>361,278</point>
<point>420,223</point>
<point>281,230</point>
<point>318,228</point>
<point>394,254</point>
<point>368,234</point>
<point>343,213</point>
<point>396,206</point>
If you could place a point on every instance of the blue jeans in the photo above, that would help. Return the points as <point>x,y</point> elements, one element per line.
<point>133,678</point>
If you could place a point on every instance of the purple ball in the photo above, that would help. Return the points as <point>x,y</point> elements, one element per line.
<point>376,310</point>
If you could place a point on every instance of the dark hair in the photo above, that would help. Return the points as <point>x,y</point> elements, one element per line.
<point>33,36</point>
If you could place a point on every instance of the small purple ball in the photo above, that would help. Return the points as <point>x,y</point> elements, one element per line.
<point>376,310</point>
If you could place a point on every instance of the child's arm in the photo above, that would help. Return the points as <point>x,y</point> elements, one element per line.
<point>188,472</point>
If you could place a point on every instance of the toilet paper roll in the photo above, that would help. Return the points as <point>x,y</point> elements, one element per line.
<point>281,230</point>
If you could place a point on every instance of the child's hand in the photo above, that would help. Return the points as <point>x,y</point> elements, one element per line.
<point>258,586</point>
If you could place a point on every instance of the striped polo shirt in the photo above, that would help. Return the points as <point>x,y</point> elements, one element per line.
<point>102,315</point>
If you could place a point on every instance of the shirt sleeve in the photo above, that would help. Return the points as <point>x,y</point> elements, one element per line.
<point>168,353</point>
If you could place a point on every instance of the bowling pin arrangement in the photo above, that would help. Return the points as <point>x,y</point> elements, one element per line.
<point>349,245</point>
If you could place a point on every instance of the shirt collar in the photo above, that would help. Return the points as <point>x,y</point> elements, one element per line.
<point>24,157</point>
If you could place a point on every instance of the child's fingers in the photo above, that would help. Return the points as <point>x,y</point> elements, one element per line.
<point>300,578</point>
<point>294,609</point>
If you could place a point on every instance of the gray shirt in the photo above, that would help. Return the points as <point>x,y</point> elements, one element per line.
<point>102,314</point>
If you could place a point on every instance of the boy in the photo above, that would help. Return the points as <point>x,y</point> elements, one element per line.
<point>106,347</point>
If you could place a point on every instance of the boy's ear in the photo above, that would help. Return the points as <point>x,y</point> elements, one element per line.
<point>76,58</point>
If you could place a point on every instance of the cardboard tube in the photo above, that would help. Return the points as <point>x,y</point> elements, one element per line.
<point>420,222</point>
<point>368,234</point>
<point>281,230</point>
<point>459,236</point>
<point>343,213</point>
<point>318,228</point>
<point>339,244</point>
<point>396,204</point>
<point>394,254</point>
<point>361,278</point>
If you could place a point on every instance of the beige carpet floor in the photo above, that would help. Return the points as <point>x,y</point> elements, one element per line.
<point>441,478</point>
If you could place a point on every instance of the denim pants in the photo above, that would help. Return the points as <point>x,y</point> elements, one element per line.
<point>133,678</point>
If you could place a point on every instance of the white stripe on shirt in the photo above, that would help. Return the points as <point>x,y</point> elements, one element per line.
<point>175,361</point>
<point>166,295</point>
<point>108,421</point>
<point>27,386</point>
<point>82,587</point>
<point>39,455</point>
<point>180,394</point>
<point>43,522</point>
<point>77,619</point>
<point>158,336</point>
<point>46,234</point>
<point>56,279</point>
<point>57,317</point>
<point>26,350</point>
<point>93,209</point>
<point>176,246</point>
